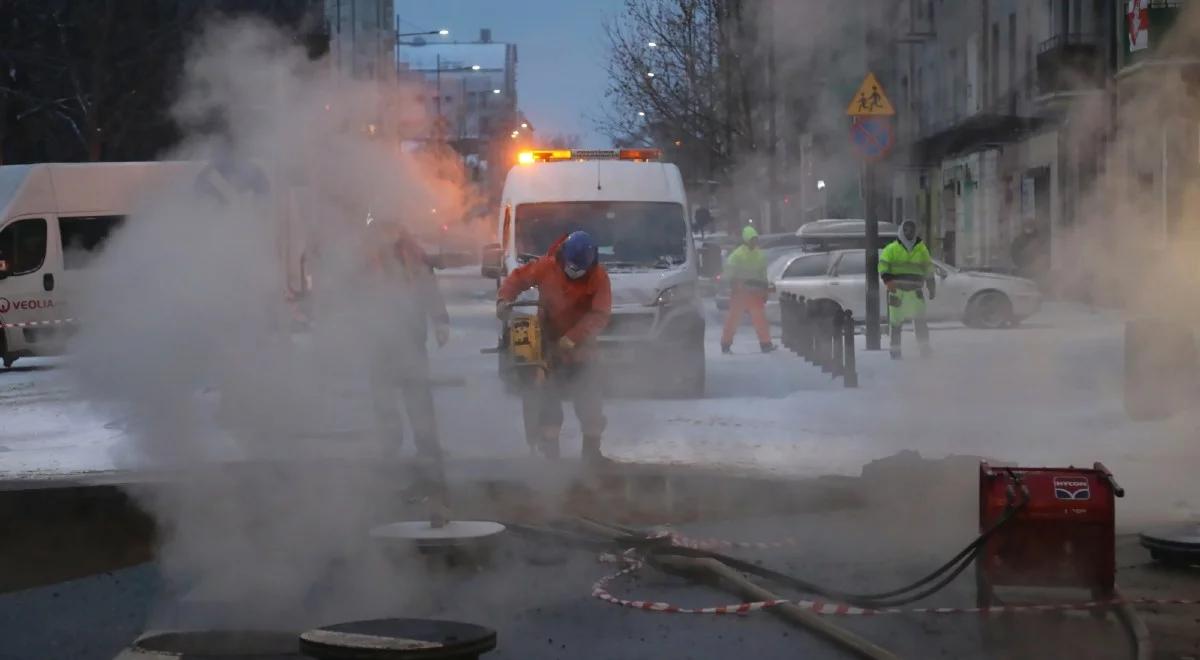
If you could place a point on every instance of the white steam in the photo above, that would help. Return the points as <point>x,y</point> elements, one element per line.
<point>187,322</point>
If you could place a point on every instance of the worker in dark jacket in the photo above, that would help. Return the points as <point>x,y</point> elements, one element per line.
<point>575,302</point>
<point>404,301</point>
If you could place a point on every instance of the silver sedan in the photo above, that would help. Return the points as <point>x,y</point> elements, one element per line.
<point>981,300</point>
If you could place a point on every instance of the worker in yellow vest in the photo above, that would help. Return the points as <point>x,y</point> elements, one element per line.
<point>907,271</point>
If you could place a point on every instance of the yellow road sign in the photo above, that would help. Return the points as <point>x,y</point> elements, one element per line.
<point>870,100</point>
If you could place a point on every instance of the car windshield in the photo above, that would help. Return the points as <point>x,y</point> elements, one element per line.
<point>629,234</point>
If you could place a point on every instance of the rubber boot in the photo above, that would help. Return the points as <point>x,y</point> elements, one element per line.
<point>429,487</point>
<point>894,345</point>
<point>768,347</point>
<point>591,453</point>
<point>727,349</point>
<point>549,448</point>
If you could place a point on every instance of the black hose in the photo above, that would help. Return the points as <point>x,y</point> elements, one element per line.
<point>809,587</point>
<point>947,572</point>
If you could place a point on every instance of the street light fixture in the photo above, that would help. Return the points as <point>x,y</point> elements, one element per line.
<point>821,184</point>
<point>427,33</point>
<point>495,91</point>
<point>444,32</point>
<point>524,125</point>
<point>653,44</point>
<point>649,74</point>
<point>641,114</point>
<point>475,67</point>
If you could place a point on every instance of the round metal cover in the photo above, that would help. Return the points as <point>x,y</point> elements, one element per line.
<point>1178,544</point>
<point>421,532</point>
<point>225,644</point>
<point>398,639</point>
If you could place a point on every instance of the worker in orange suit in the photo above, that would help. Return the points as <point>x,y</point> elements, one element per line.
<point>746,272</point>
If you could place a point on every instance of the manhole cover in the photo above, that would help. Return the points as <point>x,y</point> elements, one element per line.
<point>212,644</point>
<point>1174,545</point>
<point>421,532</point>
<point>399,639</point>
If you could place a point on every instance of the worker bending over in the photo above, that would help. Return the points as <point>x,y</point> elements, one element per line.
<point>575,302</point>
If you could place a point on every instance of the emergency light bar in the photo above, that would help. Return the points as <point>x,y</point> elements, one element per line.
<point>548,155</point>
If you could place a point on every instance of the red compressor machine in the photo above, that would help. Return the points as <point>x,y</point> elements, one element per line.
<point>1046,527</point>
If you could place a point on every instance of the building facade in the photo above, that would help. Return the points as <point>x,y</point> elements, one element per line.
<point>362,38</point>
<point>470,91</point>
<point>472,87</point>
<point>1004,122</point>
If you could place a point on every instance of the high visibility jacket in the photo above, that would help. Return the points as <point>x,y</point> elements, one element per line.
<point>579,309</point>
<point>910,268</point>
<point>746,265</point>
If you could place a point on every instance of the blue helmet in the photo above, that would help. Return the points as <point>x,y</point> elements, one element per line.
<point>579,254</point>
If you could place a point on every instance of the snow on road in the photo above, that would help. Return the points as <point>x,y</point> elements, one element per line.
<point>1045,393</point>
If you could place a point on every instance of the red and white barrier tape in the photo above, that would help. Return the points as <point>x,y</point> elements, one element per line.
<point>35,324</point>
<point>600,591</point>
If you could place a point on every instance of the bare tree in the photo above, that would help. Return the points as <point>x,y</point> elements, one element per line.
<point>677,80</point>
<point>564,141</point>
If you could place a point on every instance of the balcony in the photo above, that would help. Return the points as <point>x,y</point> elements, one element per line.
<point>1070,63</point>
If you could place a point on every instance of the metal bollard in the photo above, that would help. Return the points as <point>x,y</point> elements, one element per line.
<point>814,344</point>
<point>824,331</point>
<point>807,345</point>
<point>835,336</point>
<point>798,325</point>
<point>787,306</point>
<point>849,364</point>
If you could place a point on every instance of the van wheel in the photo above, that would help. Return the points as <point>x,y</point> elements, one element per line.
<point>4,356</point>
<point>689,371</point>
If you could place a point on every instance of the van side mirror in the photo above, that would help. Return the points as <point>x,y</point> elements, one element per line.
<point>492,261</point>
<point>710,260</point>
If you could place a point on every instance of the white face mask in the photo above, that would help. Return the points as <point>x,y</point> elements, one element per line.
<point>573,272</point>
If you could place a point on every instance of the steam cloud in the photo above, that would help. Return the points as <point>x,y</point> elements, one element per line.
<point>187,330</point>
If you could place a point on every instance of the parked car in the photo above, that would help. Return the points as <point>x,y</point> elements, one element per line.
<point>982,300</point>
<point>841,234</point>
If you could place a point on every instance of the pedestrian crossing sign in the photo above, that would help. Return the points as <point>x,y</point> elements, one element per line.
<point>870,100</point>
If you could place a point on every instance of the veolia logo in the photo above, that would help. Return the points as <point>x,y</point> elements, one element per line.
<point>7,305</point>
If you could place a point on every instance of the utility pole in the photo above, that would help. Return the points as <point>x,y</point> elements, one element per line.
<point>870,207</point>
<point>772,136</point>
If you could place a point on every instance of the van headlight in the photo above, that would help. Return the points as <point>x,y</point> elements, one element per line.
<point>676,295</point>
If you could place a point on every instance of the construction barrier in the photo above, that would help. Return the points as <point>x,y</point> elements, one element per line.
<point>822,333</point>
<point>632,565</point>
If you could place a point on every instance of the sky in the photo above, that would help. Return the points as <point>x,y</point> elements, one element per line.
<point>560,52</point>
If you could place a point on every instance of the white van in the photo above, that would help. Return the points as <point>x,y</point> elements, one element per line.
<point>54,218</point>
<point>637,210</point>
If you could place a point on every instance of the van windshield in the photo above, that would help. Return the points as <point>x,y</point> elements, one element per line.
<point>630,234</point>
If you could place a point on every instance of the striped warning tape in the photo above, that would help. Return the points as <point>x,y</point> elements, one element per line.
<point>35,324</point>
<point>600,591</point>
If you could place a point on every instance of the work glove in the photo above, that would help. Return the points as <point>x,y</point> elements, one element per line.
<point>931,284</point>
<point>441,332</point>
<point>503,309</point>
<point>565,344</point>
